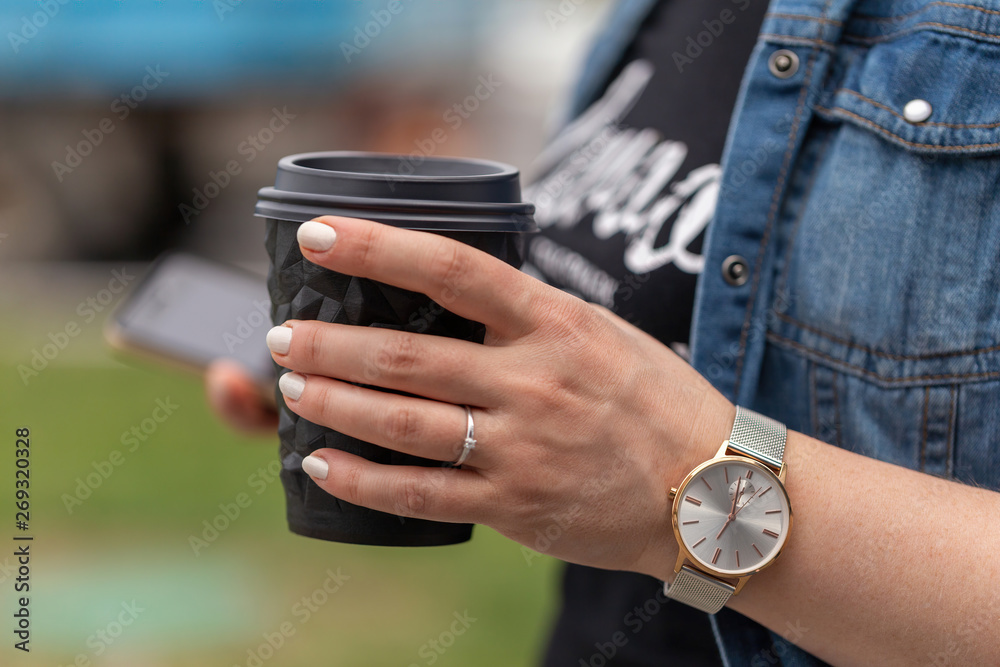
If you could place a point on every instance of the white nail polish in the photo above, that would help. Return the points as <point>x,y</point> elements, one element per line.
<point>316,236</point>
<point>315,467</point>
<point>279,339</point>
<point>291,385</point>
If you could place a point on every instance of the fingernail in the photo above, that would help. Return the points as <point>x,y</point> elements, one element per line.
<point>315,467</point>
<point>316,236</point>
<point>291,385</point>
<point>279,339</point>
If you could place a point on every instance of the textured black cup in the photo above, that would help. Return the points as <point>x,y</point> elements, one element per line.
<point>473,201</point>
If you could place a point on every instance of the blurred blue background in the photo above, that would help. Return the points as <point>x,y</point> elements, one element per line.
<point>215,48</point>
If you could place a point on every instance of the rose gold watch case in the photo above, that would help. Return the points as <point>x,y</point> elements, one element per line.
<point>684,553</point>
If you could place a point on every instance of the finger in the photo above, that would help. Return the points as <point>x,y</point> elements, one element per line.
<point>439,494</point>
<point>233,396</point>
<point>406,424</point>
<point>441,368</point>
<point>464,280</point>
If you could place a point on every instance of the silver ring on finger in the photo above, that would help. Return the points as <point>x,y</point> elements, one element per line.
<point>470,439</point>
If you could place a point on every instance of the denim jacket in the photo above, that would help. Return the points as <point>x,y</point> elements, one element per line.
<point>867,314</point>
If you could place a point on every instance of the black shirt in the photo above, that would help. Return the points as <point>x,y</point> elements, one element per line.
<point>625,194</point>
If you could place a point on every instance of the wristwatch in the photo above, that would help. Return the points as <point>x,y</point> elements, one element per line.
<point>731,515</point>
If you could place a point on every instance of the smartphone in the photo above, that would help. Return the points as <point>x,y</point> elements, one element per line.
<point>187,311</point>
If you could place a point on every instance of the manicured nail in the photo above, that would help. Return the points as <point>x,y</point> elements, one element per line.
<point>316,236</point>
<point>279,339</point>
<point>315,467</point>
<point>291,385</point>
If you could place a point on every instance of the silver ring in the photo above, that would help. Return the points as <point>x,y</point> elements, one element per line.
<point>470,438</point>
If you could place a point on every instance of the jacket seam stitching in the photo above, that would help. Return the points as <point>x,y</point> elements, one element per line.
<point>879,353</point>
<point>797,38</point>
<point>899,115</point>
<point>923,438</point>
<point>783,279</point>
<point>836,407</point>
<point>902,17</point>
<point>895,136</point>
<point>872,374</point>
<point>803,17</point>
<point>915,28</point>
<point>949,470</point>
<point>800,108</point>
<point>814,412</point>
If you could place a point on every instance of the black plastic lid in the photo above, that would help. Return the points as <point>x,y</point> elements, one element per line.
<point>432,194</point>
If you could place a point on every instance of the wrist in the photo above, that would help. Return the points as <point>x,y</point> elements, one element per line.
<point>710,426</point>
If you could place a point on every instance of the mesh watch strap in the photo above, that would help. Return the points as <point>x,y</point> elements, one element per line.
<point>761,438</point>
<point>699,590</point>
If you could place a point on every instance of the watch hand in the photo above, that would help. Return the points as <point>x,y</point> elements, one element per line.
<point>732,510</point>
<point>736,496</point>
<point>746,503</point>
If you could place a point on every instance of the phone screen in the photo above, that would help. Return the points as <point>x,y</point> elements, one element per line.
<point>193,311</point>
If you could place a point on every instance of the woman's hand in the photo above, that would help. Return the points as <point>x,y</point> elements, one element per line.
<point>583,422</point>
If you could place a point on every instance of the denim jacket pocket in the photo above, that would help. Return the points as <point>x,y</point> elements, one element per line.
<point>930,93</point>
<point>888,284</point>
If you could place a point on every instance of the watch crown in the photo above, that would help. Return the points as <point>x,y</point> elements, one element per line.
<point>673,492</point>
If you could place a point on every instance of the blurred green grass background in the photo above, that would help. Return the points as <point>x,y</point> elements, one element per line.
<point>129,541</point>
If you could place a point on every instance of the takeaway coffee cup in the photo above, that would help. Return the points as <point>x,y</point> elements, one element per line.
<point>474,201</point>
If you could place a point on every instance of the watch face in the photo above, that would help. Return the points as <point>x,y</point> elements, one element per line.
<point>732,515</point>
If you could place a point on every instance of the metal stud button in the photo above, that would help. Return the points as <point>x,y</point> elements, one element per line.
<point>917,111</point>
<point>735,270</point>
<point>783,63</point>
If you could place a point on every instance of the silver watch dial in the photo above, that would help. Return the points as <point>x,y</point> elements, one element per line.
<point>733,516</point>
